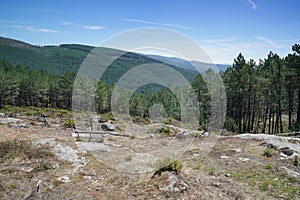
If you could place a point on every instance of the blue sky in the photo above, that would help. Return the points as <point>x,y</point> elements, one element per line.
<point>222,27</point>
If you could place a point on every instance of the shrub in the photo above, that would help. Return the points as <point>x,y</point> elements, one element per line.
<point>169,120</point>
<point>106,117</point>
<point>165,131</point>
<point>268,152</point>
<point>140,120</point>
<point>211,170</point>
<point>198,165</point>
<point>230,124</point>
<point>168,164</point>
<point>43,166</point>
<point>268,166</point>
<point>69,124</point>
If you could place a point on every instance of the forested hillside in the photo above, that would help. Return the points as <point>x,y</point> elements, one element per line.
<point>262,97</point>
<point>68,58</point>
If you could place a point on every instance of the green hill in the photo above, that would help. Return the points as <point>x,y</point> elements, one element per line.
<point>68,57</point>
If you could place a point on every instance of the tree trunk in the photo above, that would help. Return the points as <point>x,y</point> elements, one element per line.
<point>290,106</point>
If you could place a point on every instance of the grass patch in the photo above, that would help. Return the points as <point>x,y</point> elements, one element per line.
<point>168,164</point>
<point>21,148</point>
<point>111,139</point>
<point>106,117</point>
<point>80,139</point>
<point>268,166</point>
<point>268,152</point>
<point>69,124</point>
<point>36,111</point>
<point>43,166</point>
<point>167,131</point>
<point>140,120</point>
<point>275,184</point>
<point>211,170</point>
<point>198,165</point>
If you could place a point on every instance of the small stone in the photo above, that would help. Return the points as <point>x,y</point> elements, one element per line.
<point>64,179</point>
<point>244,159</point>
<point>224,157</point>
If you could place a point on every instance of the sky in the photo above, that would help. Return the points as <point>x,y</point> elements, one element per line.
<point>223,28</point>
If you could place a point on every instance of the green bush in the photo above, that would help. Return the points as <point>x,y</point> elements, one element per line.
<point>230,124</point>
<point>268,152</point>
<point>165,131</point>
<point>69,124</point>
<point>211,171</point>
<point>105,117</point>
<point>268,166</point>
<point>168,164</point>
<point>140,120</point>
<point>296,126</point>
<point>169,120</point>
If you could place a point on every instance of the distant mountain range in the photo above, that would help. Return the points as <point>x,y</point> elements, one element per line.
<point>68,57</point>
<point>190,65</point>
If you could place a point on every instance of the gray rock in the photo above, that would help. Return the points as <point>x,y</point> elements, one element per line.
<point>107,126</point>
<point>23,125</point>
<point>268,145</point>
<point>175,183</point>
<point>2,115</point>
<point>9,120</point>
<point>92,146</point>
<point>290,172</point>
<point>286,150</point>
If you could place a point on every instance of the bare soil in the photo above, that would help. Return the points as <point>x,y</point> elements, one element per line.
<point>214,167</point>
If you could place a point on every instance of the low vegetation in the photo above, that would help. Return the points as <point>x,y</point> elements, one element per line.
<point>268,152</point>
<point>168,164</point>
<point>275,183</point>
<point>69,124</point>
<point>23,149</point>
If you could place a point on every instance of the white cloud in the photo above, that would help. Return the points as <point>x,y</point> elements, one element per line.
<point>266,40</point>
<point>88,27</point>
<point>45,30</point>
<point>252,4</point>
<point>155,23</point>
<point>41,30</point>
<point>93,28</point>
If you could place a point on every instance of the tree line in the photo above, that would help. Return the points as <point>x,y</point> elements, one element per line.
<point>262,97</point>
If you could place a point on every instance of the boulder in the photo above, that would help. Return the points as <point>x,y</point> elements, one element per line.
<point>286,150</point>
<point>2,115</point>
<point>268,145</point>
<point>23,125</point>
<point>9,120</point>
<point>171,182</point>
<point>107,126</point>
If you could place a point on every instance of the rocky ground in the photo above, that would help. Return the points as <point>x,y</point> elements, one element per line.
<point>50,163</point>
